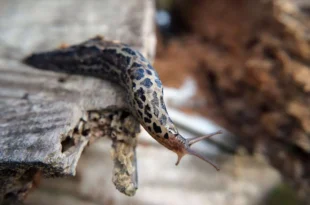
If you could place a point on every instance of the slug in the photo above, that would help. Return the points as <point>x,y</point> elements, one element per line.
<point>128,68</point>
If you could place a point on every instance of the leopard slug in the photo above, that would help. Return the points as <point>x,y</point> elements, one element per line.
<point>127,67</point>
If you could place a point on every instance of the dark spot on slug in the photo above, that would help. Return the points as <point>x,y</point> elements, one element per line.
<point>140,104</point>
<point>140,94</point>
<point>156,111</point>
<point>136,65</point>
<point>138,74</point>
<point>143,98</point>
<point>133,85</point>
<point>129,51</point>
<point>158,82</point>
<point>162,103</point>
<point>148,72</point>
<point>82,51</point>
<point>109,56</point>
<point>122,61</point>
<point>128,61</point>
<point>140,113</point>
<point>166,136</point>
<point>150,67</point>
<point>147,111</point>
<point>155,100</point>
<point>146,83</point>
<point>163,120</point>
<point>149,128</point>
<point>148,114</point>
<point>147,108</point>
<point>147,120</point>
<point>156,128</point>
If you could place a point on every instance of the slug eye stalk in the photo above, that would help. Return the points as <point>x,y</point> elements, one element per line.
<point>189,142</point>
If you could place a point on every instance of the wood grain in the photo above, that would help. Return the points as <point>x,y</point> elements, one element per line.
<point>37,109</point>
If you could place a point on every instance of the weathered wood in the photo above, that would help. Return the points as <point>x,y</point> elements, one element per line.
<point>38,109</point>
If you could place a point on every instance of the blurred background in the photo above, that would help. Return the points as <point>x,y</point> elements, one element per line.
<point>242,66</point>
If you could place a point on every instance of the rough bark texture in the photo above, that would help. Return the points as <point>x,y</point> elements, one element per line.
<point>253,61</point>
<point>39,109</point>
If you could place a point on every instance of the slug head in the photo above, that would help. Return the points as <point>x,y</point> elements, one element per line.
<point>188,150</point>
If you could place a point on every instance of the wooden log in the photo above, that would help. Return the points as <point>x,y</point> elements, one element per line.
<point>38,109</point>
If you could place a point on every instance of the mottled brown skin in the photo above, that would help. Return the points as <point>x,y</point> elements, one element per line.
<point>127,67</point>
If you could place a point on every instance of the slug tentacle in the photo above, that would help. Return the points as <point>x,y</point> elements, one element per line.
<point>190,141</point>
<point>193,140</point>
<point>194,153</point>
<point>127,67</point>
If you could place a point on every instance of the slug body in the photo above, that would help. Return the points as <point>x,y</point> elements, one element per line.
<point>127,67</point>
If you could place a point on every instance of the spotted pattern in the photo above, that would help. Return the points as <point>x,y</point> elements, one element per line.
<point>158,83</point>
<point>162,103</point>
<point>123,65</point>
<point>140,94</point>
<point>147,83</point>
<point>163,120</point>
<point>155,102</point>
<point>129,51</point>
<point>138,74</point>
<point>149,72</point>
<point>147,120</point>
<point>147,111</point>
<point>156,111</point>
<point>156,128</point>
